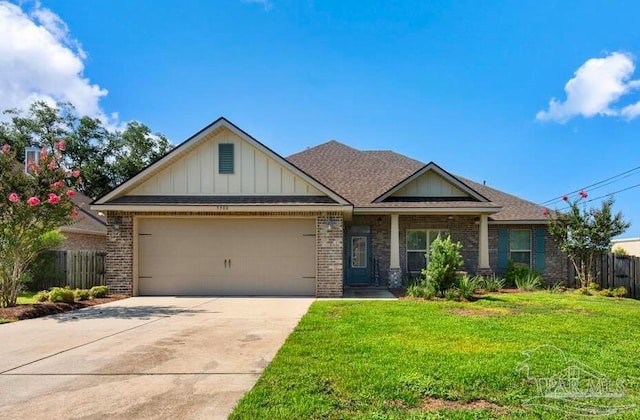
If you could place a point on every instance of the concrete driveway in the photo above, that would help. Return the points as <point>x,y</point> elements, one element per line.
<point>142,357</point>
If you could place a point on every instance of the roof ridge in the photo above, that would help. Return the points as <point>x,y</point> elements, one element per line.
<point>326,143</point>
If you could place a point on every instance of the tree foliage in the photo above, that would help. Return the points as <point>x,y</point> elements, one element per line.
<point>106,157</point>
<point>33,205</point>
<point>585,233</point>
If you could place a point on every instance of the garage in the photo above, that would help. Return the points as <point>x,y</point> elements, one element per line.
<point>225,256</point>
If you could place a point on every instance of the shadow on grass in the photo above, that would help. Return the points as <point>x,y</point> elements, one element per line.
<point>489,298</point>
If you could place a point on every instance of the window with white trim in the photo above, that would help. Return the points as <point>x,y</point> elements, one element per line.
<point>520,246</point>
<point>418,245</point>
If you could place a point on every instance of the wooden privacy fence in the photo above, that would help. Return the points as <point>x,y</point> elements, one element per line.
<point>76,269</point>
<point>614,271</point>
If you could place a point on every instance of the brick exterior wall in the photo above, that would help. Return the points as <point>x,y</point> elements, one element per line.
<point>119,260</point>
<point>329,237</point>
<point>464,229</point>
<point>330,268</point>
<point>555,261</point>
<point>84,242</point>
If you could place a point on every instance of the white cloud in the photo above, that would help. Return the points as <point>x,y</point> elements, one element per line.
<point>266,4</point>
<point>40,60</point>
<point>596,86</point>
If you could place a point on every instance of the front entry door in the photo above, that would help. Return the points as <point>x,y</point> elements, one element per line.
<point>359,256</point>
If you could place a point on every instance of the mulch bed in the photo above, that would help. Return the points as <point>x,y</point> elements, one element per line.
<point>37,310</point>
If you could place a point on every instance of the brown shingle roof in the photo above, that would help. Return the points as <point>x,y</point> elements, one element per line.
<point>362,176</point>
<point>88,220</point>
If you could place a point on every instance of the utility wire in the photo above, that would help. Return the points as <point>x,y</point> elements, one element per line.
<point>627,173</point>
<point>608,194</point>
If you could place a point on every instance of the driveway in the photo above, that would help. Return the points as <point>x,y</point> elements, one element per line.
<point>143,357</point>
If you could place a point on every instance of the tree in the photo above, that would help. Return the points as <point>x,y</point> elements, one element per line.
<point>583,234</point>
<point>32,206</point>
<point>106,157</point>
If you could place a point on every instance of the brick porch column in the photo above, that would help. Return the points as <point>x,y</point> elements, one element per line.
<point>395,272</point>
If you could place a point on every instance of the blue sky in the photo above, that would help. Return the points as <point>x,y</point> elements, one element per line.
<point>466,84</point>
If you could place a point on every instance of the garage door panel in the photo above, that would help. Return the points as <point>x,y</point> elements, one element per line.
<point>263,256</point>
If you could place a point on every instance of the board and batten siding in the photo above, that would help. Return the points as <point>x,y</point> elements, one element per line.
<point>255,173</point>
<point>430,184</point>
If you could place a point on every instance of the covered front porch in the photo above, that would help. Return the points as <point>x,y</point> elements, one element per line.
<point>386,249</point>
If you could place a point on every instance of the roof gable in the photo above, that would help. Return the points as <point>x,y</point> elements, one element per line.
<point>431,183</point>
<point>191,169</point>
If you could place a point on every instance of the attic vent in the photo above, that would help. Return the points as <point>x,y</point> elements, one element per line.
<point>225,158</point>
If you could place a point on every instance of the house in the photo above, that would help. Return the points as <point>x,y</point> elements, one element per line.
<point>631,245</point>
<point>89,231</point>
<point>222,214</point>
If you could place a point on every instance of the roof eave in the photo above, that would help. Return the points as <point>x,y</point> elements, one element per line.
<point>427,210</point>
<point>224,208</point>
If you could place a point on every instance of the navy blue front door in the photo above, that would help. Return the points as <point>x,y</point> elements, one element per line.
<point>359,258</point>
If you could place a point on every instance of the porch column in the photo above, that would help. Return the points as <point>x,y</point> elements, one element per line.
<point>395,273</point>
<point>483,245</point>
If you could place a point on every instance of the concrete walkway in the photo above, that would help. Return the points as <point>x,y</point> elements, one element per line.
<point>142,358</point>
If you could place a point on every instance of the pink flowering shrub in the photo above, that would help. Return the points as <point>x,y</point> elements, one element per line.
<point>33,206</point>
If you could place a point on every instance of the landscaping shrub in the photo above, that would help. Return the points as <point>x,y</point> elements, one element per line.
<point>493,283</point>
<point>468,286</point>
<point>557,288</point>
<point>593,286</point>
<point>619,292</point>
<point>451,294</point>
<point>583,291</point>
<point>529,282</point>
<point>421,290</point>
<point>58,294</point>
<point>620,251</point>
<point>99,291</point>
<point>41,296</point>
<point>513,272</point>
<point>444,260</point>
<point>82,294</point>
<point>605,292</point>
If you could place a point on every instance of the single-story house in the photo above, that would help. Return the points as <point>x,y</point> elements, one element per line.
<point>89,230</point>
<point>223,214</point>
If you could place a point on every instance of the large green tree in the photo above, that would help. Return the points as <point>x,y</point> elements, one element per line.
<point>106,157</point>
<point>585,233</point>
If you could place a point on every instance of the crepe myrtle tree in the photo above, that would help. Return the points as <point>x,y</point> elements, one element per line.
<point>585,233</point>
<point>33,204</point>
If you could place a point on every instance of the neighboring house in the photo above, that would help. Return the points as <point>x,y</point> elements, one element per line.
<point>631,245</point>
<point>222,214</point>
<point>88,232</point>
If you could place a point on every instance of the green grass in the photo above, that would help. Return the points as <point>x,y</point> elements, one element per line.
<point>25,298</point>
<point>388,359</point>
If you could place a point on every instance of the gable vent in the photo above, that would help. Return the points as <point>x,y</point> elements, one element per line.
<point>225,158</point>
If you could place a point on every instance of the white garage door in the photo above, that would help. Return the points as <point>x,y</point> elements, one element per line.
<point>203,256</point>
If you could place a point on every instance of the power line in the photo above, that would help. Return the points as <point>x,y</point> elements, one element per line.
<point>609,194</point>
<point>597,184</point>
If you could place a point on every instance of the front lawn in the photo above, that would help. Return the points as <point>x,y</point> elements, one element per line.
<point>504,356</point>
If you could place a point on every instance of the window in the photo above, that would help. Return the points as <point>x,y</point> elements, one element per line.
<point>225,158</point>
<point>418,245</point>
<point>359,252</point>
<point>520,246</point>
